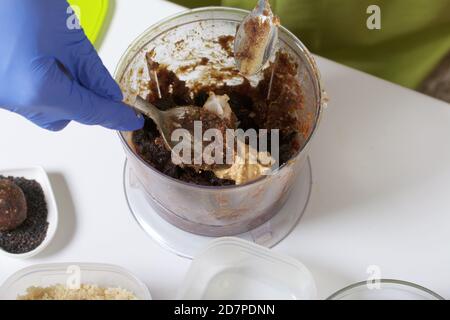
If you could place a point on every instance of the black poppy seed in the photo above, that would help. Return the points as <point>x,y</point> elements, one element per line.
<point>33,231</point>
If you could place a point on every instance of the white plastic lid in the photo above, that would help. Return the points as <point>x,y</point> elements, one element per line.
<point>235,269</point>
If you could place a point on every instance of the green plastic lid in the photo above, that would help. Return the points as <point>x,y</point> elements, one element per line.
<point>92,16</point>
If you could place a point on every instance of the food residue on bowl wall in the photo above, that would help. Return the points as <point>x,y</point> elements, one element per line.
<point>249,103</point>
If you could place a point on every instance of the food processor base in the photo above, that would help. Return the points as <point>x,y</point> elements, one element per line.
<point>187,244</point>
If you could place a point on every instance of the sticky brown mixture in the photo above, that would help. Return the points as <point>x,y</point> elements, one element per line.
<point>226,43</point>
<point>256,31</point>
<point>250,105</point>
<point>208,121</point>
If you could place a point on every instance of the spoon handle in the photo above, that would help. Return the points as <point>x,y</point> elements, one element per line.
<point>261,6</point>
<point>147,109</point>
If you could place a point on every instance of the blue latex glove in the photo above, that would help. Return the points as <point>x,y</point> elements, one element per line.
<point>51,74</point>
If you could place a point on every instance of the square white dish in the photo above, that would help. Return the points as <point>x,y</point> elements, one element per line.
<point>38,174</point>
<point>235,269</point>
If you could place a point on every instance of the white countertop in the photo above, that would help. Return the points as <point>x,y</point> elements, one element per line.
<point>381,173</point>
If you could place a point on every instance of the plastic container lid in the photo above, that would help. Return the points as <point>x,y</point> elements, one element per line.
<point>235,269</point>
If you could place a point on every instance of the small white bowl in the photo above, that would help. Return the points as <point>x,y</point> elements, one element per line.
<point>44,275</point>
<point>38,174</point>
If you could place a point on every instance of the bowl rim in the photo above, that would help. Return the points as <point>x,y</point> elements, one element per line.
<point>397,283</point>
<point>320,99</point>
<point>52,210</point>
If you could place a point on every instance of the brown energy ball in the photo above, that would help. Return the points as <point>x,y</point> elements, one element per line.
<point>13,206</point>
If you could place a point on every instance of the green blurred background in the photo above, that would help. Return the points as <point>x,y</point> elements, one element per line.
<point>413,40</point>
<point>414,35</point>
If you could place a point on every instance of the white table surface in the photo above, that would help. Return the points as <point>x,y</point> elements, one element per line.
<point>381,194</point>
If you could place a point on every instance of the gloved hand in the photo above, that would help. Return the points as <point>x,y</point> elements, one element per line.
<point>51,74</point>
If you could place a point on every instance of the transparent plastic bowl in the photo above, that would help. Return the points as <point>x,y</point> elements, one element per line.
<point>234,269</point>
<point>212,211</point>
<point>387,290</point>
<point>103,275</point>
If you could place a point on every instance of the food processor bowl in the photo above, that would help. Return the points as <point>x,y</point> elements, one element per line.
<point>180,41</point>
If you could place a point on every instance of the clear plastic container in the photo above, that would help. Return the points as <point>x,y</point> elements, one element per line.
<point>234,269</point>
<point>103,275</point>
<point>385,290</point>
<point>212,211</point>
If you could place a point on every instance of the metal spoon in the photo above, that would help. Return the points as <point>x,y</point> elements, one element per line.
<point>252,54</point>
<point>172,119</point>
<point>167,121</point>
